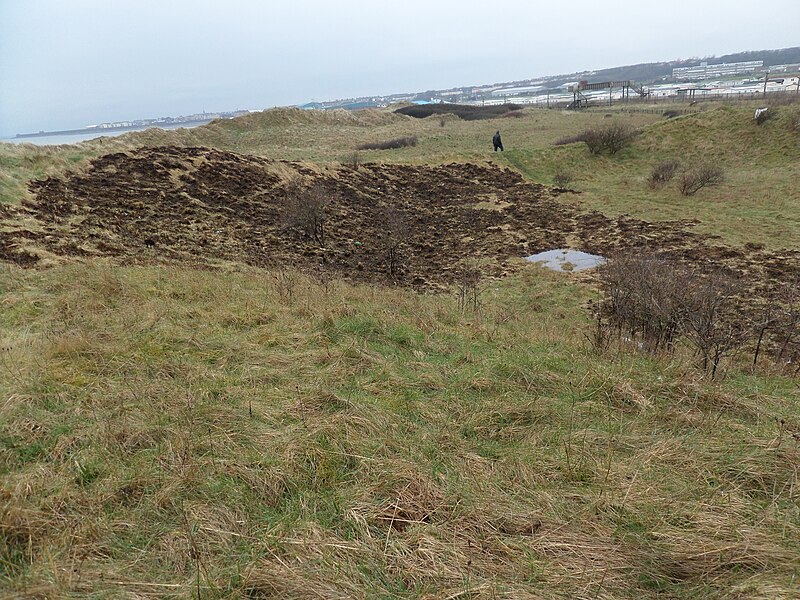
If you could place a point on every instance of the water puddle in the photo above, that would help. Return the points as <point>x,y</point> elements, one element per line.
<point>564,259</point>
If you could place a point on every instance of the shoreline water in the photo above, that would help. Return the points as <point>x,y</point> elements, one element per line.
<point>59,138</point>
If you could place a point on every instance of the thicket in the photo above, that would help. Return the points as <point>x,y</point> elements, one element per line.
<point>655,303</point>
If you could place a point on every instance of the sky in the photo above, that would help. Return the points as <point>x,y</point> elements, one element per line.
<point>69,63</point>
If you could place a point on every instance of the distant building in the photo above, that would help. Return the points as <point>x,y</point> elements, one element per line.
<point>516,91</point>
<point>706,71</point>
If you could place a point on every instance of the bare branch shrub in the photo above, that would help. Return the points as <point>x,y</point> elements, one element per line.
<point>394,236</point>
<point>468,290</point>
<point>306,210</point>
<point>693,180</point>
<point>663,173</point>
<point>645,298</point>
<point>400,142</point>
<point>610,138</point>
<point>711,329</point>
<point>562,177</point>
<point>657,302</point>
<point>788,324</point>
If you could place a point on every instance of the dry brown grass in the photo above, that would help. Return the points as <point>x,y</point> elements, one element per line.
<point>166,433</point>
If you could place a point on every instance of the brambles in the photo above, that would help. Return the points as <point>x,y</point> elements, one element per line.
<point>663,173</point>
<point>401,142</point>
<point>705,175</point>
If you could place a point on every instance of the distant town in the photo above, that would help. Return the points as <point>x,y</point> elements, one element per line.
<point>705,79</point>
<point>728,76</point>
<point>195,119</point>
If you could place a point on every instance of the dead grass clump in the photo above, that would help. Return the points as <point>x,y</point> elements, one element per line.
<point>695,558</point>
<point>401,142</point>
<point>570,139</point>
<point>404,498</point>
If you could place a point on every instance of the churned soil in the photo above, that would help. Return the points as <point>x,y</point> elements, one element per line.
<point>204,207</point>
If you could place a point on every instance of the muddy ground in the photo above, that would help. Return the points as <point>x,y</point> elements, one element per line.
<point>204,207</point>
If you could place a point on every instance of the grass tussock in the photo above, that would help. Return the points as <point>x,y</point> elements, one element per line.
<point>167,432</point>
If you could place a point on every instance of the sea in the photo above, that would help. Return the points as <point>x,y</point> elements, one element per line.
<point>51,140</point>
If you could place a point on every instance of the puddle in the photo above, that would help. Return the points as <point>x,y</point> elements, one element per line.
<point>564,259</point>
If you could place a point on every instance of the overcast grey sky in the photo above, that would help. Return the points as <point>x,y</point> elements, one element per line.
<point>68,63</point>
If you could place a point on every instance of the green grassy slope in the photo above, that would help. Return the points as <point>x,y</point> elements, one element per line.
<point>172,433</point>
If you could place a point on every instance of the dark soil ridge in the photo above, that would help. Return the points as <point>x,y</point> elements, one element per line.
<point>204,207</point>
<point>462,111</point>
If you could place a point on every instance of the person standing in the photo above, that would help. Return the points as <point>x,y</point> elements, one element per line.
<point>497,142</point>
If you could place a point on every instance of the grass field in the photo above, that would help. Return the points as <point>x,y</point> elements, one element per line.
<point>171,432</point>
<point>174,433</point>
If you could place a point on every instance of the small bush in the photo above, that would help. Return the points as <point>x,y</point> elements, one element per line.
<point>402,142</point>
<point>704,175</point>
<point>306,210</point>
<point>609,138</point>
<point>663,173</point>
<point>353,160</point>
<point>670,114</point>
<point>561,178</point>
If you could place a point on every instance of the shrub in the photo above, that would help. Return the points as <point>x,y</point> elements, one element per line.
<point>663,173</point>
<point>306,210</point>
<point>705,175</point>
<point>393,237</point>
<point>646,298</point>
<point>353,160</point>
<point>561,178</point>
<point>658,301</point>
<point>401,142</point>
<point>609,138</point>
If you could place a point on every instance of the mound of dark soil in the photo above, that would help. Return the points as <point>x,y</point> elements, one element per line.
<point>416,225</point>
<point>466,112</point>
